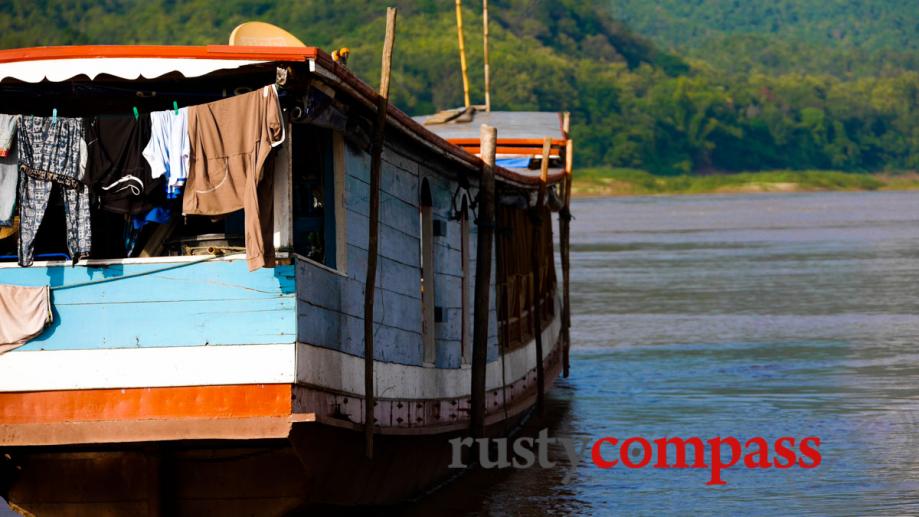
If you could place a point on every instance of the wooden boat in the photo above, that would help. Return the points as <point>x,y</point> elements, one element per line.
<point>179,383</point>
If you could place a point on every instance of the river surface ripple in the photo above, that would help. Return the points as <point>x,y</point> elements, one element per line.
<point>758,315</point>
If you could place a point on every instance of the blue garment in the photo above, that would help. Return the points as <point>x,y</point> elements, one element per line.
<point>167,152</point>
<point>157,214</point>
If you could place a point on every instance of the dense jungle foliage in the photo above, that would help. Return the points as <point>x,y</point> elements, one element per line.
<point>668,86</point>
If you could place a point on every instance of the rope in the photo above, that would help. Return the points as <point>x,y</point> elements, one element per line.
<point>565,214</point>
<point>135,275</point>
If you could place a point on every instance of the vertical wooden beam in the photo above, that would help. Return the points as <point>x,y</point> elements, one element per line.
<point>376,156</point>
<point>486,228</point>
<point>485,40</point>
<point>466,284</point>
<point>536,256</point>
<point>283,194</point>
<point>341,215</point>
<point>564,233</point>
<point>462,50</point>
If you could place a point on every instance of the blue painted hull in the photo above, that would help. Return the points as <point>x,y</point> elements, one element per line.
<point>163,304</point>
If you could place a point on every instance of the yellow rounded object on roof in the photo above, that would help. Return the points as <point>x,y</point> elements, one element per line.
<point>261,34</point>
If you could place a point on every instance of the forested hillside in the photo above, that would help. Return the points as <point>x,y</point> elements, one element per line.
<point>668,103</point>
<point>843,37</point>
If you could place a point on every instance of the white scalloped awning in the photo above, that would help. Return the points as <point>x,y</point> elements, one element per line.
<point>57,70</point>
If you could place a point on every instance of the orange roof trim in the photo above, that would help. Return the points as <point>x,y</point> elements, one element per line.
<point>514,142</point>
<point>296,54</point>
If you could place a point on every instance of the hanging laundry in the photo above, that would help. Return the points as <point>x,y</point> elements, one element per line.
<point>159,215</point>
<point>49,154</point>
<point>8,125</point>
<point>9,168</point>
<point>25,312</point>
<point>231,140</point>
<point>115,166</point>
<point>167,151</point>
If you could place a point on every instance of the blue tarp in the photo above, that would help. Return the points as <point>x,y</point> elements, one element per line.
<point>513,163</point>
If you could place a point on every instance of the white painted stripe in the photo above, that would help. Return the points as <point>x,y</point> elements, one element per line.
<point>250,364</point>
<point>147,367</point>
<point>327,368</point>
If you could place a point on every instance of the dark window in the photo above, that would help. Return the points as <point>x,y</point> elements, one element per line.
<point>313,194</point>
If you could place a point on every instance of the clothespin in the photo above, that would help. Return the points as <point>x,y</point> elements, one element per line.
<point>175,106</point>
<point>54,115</point>
<point>136,113</point>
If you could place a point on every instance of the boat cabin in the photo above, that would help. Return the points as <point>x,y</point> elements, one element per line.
<point>164,338</point>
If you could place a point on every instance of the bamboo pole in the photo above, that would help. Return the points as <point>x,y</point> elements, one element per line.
<point>538,249</point>
<point>564,233</point>
<point>462,49</point>
<point>485,40</point>
<point>376,156</point>
<point>486,225</point>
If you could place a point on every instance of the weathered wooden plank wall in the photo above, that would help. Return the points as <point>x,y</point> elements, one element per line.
<point>211,303</point>
<point>331,304</point>
<point>448,273</point>
<point>330,311</point>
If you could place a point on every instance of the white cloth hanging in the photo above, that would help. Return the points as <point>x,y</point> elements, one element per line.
<point>25,312</point>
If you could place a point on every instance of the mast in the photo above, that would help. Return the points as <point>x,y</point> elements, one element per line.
<point>564,230</point>
<point>537,251</point>
<point>376,156</point>
<point>485,41</point>
<point>462,49</point>
<point>488,136</point>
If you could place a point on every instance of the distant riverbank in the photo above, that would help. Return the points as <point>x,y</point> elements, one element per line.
<point>595,182</point>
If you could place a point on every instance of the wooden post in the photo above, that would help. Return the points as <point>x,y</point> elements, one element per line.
<point>538,249</point>
<point>486,227</point>
<point>564,233</point>
<point>462,49</point>
<point>485,40</point>
<point>376,156</point>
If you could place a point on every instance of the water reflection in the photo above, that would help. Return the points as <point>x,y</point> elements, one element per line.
<point>764,315</point>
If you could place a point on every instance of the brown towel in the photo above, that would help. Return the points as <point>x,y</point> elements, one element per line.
<point>24,314</point>
<point>231,140</point>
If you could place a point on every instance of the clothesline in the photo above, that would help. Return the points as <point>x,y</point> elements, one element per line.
<point>87,100</point>
<point>121,163</point>
<point>141,273</point>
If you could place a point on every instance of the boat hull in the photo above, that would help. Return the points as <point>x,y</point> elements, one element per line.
<point>316,464</point>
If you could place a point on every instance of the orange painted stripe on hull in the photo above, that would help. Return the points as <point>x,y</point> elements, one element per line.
<point>234,401</point>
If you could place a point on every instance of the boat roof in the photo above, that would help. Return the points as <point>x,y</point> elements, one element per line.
<point>139,62</point>
<point>527,125</point>
<point>520,136</point>
<point>57,64</point>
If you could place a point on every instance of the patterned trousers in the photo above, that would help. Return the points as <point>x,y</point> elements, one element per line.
<point>34,195</point>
